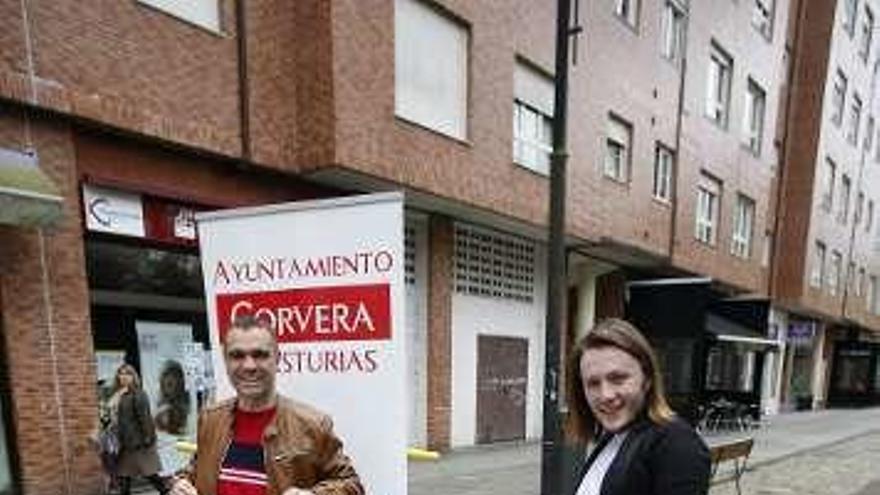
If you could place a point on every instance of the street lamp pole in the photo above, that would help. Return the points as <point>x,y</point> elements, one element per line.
<point>551,455</point>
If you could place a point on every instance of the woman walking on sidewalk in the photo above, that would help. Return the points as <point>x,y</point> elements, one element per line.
<point>137,433</point>
<point>618,405</point>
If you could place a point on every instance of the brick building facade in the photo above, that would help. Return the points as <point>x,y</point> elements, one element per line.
<point>675,167</point>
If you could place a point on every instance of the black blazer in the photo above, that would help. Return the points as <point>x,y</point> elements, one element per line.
<point>656,460</point>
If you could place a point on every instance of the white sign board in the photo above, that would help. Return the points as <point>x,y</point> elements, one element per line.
<point>329,276</point>
<point>116,212</point>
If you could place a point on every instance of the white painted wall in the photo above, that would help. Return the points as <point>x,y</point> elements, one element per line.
<point>774,362</point>
<point>474,315</point>
<point>585,271</point>
<point>417,336</point>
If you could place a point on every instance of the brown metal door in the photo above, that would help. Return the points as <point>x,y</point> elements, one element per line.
<point>502,380</point>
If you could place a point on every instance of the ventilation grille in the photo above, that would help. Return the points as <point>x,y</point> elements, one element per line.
<point>494,265</point>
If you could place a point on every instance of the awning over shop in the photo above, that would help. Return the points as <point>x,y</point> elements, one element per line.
<point>727,330</point>
<point>27,196</point>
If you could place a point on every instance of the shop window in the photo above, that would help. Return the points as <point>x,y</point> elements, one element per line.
<point>730,369</point>
<point>143,270</point>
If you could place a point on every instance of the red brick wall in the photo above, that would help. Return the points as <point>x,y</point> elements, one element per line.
<point>441,241</point>
<point>45,319</point>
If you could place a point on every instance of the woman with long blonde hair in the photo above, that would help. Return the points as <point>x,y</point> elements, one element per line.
<point>618,405</point>
<point>130,408</point>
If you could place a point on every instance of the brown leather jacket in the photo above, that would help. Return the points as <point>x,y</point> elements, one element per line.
<point>299,448</point>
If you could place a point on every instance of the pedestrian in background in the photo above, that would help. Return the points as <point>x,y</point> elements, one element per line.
<point>130,408</point>
<point>618,407</point>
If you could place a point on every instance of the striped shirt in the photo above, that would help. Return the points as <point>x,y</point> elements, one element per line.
<point>243,471</point>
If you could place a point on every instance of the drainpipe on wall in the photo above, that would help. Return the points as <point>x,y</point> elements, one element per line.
<point>679,117</point>
<point>244,94</point>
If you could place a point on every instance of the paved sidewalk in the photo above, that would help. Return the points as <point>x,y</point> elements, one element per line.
<point>514,469</point>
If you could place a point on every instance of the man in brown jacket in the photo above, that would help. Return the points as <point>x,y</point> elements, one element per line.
<point>261,443</point>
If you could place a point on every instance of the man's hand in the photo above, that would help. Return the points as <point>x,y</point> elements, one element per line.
<point>297,491</point>
<point>181,486</point>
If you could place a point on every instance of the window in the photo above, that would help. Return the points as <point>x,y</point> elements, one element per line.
<point>718,86</point>
<point>768,249</point>
<point>849,16</point>
<point>743,220</point>
<point>753,125</point>
<point>663,163</point>
<point>708,204</point>
<point>628,11</point>
<point>838,98</point>
<point>762,17</point>
<point>532,118</point>
<point>860,283</point>
<point>867,34</point>
<point>855,116</point>
<point>673,30</point>
<point>869,133</point>
<point>857,213</point>
<point>843,207</point>
<point>203,13</point>
<point>430,68</point>
<point>618,144</point>
<point>818,273</point>
<point>851,276</point>
<point>834,273</point>
<point>871,295</point>
<point>869,216</point>
<point>828,179</point>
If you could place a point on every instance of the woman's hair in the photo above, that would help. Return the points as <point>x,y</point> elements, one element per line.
<point>619,334</point>
<point>136,382</point>
<point>174,403</point>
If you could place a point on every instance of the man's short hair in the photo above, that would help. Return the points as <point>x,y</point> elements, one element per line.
<point>246,322</point>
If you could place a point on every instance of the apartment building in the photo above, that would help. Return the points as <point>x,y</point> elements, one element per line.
<point>128,118</point>
<point>826,271</point>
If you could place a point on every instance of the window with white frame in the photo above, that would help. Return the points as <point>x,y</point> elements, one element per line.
<point>857,212</point>
<point>430,68</point>
<point>753,117</point>
<point>834,273</point>
<point>869,216</point>
<point>664,160</point>
<point>618,145</point>
<point>860,283</point>
<point>869,133</point>
<point>838,98</point>
<point>768,249</point>
<point>850,276</point>
<point>673,30</point>
<point>743,222</point>
<point>849,16</point>
<point>532,118</point>
<point>871,295</point>
<point>855,117</point>
<point>628,11</point>
<point>718,86</point>
<point>843,206</point>
<point>762,17</point>
<point>817,275</point>
<point>829,178</point>
<point>203,13</point>
<point>867,34</point>
<point>708,205</point>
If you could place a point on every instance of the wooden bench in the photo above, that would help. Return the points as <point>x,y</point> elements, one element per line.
<point>737,451</point>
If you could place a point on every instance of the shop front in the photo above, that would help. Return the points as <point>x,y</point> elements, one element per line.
<point>855,374</point>
<point>712,349</point>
